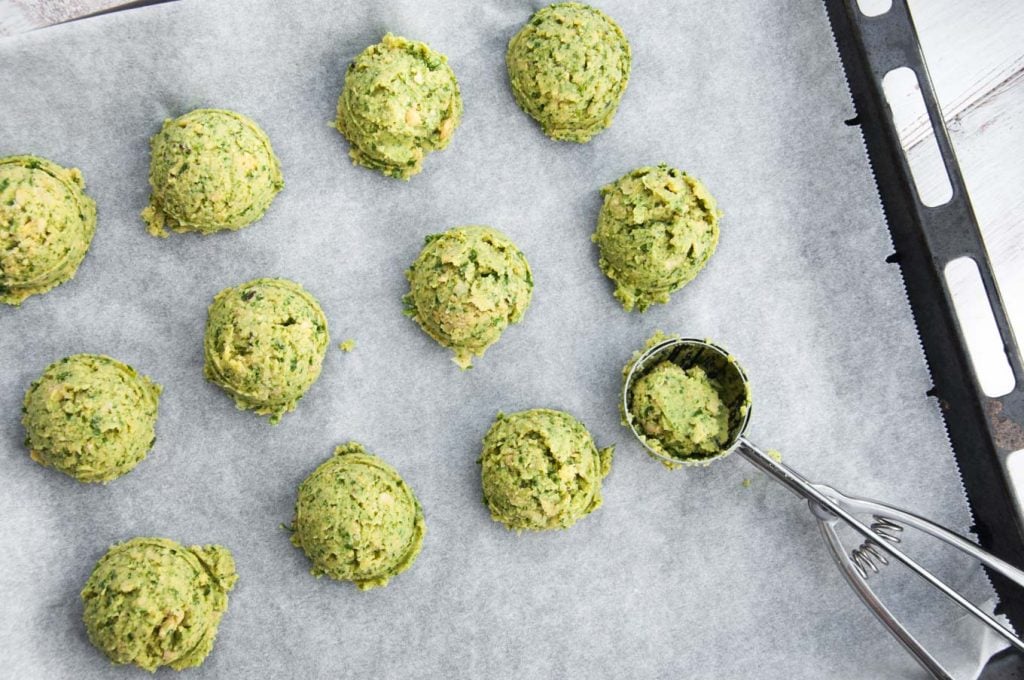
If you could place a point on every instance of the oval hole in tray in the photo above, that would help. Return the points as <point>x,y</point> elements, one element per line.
<point>1015,467</point>
<point>978,324</point>
<point>914,127</point>
<point>874,8</point>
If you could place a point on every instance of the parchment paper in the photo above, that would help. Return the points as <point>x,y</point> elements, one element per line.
<point>684,574</point>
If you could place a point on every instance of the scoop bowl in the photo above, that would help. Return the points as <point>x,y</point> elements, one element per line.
<point>719,366</point>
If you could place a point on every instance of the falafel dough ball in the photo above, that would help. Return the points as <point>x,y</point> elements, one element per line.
<point>465,288</point>
<point>210,170</point>
<point>568,67</point>
<point>400,101</point>
<point>657,229</point>
<point>681,411</point>
<point>90,417</point>
<point>265,344</point>
<point>46,226</point>
<point>357,520</point>
<point>153,602</point>
<point>540,470</point>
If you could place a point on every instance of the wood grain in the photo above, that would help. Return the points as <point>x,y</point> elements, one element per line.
<point>975,57</point>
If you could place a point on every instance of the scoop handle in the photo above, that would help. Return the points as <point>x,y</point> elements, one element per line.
<point>877,607</point>
<point>910,519</point>
<point>823,506</point>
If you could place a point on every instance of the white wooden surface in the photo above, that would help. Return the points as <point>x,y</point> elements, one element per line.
<point>975,54</point>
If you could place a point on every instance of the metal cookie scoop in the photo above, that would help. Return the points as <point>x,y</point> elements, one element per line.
<point>828,505</point>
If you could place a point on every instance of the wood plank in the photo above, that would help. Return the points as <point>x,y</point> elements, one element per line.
<point>975,57</point>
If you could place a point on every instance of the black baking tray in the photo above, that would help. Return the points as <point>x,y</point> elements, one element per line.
<point>982,430</point>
